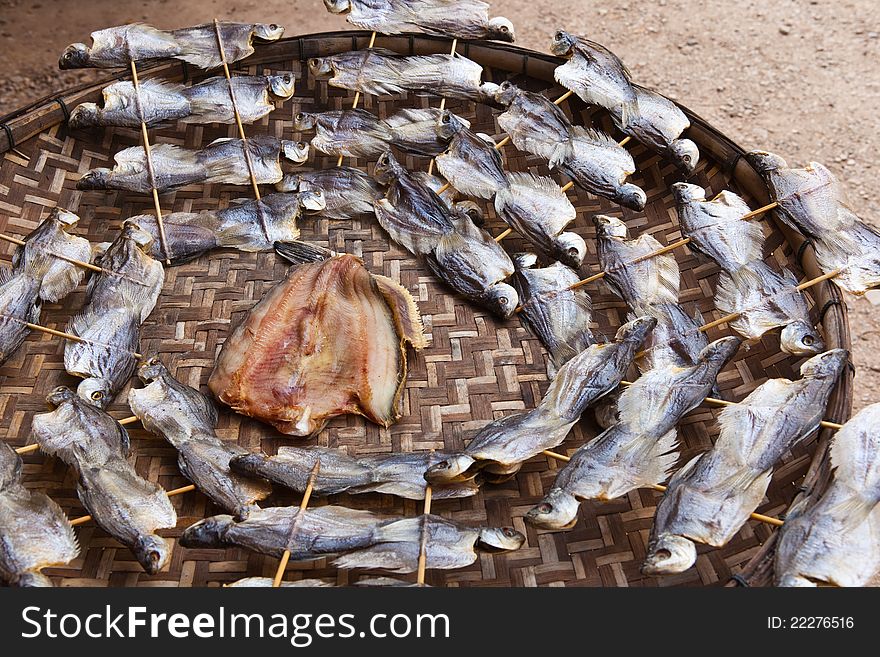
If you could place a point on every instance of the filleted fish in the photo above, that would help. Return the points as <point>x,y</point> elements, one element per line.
<point>765,299</point>
<point>462,19</point>
<point>240,226</point>
<point>117,46</point>
<point>34,532</point>
<point>348,192</point>
<point>558,315</point>
<point>96,446</point>
<point>37,275</point>
<point>186,419</point>
<point>457,251</point>
<point>833,537</point>
<point>641,449</point>
<point>813,201</point>
<point>118,301</point>
<point>499,449</point>
<point>400,474</point>
<point>222,161</point>
<point>712,496</point>
<point>205,102</point>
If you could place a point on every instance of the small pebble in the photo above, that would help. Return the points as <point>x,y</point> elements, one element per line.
<point>784,29</point>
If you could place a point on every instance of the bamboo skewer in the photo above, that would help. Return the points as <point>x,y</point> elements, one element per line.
<point>442,106</point>
<point>307,495</point>
<point>149,156</point>
<point>357,94</point>
<point>172,493</point>
<point>73,261</point>
<point>66,336</point>
<point>423,545</point>
<point>244,142</point>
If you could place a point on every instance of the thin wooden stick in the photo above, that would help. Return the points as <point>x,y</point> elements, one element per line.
<point>504,234</point>
<point>147,151</point>
<point>357,94</point>
<point>563,98</point>
<point>625,141</point>
<point>73,261</point>
<point>27,449</point>
<point>307,495</point>
<point>423,545</point>
<point>760,211</point>
<point>172,493</point>
<point>443,107</point>
<point>66,336</point>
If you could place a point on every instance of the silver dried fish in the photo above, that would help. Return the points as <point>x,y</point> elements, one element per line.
<point>348,193</point>
<point>347,133</point>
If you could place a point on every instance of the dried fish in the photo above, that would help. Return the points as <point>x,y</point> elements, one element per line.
<point>348,192</point>
<point>34,532</point>
<point>347,133</point>
<point>395,474</point>
<point>534,123</point>
<point>240,226</point>
<point>641,449</point>
<point>221,161</point>
<point>37,276</point>
<point>186,418</point>
<point>205,102</point>
<point>513,439</point>
<point>459,253</point>
<point>415,131</point>
<point>471,164</point>
<point>812,201</point>
<point>328,340</point>
<point>712,496</point>
<point>558,315</point>
<point>117,303</point>
<point>380,72</point>
<point>834,537</point>
<point>765,299</point>
<point>96,446</point>
<point>463,19</point>
<point>117,46</point>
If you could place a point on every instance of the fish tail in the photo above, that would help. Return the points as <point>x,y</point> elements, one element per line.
<point>405,311</point>
<point>378,556</point>
<point>207,533</point>
<point>655,459</point>
<point>301,253</point>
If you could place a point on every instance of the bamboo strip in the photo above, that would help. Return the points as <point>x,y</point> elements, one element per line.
<point>307,495</point>
<point>423,546</point>
<point>172,493</point>
<point>73,261</point>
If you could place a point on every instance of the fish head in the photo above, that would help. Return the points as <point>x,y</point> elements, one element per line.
<point>268,31</point>
<point>826,366</point>
<point>295,151</point>
<point>151,370</point>
<point>473,212</point>
<point>498,539</point>
<point>765,162</point>
<point>387,169</point>
<point>558,510</point>
<point>453,469</point>
<point>338,6</point>
<point>312,200</point>
<point>59,395</point>
<point>801,338</point>
<point>95,179</point>
<point>685,155</point>
<point>563,44</point>
<point>505,93</point>
<point>632,197</point>
<point>502,299</point>
<point>152,553</point>
<point>83,115</point>
<point>610,227</point>
<point>571,249</point>
<point>304,121</point>
<point>282,85</point>
<point>523,261</point>
<point>76,55</point>
<point>448,125</point>
<point>721,350</point>
<point>320,67</point>
<point>684,192</point>
<point>669,554</point>
<point>97,392</point>
<point>636,331</point>
<point>501,29</point>
<point>207,533</point>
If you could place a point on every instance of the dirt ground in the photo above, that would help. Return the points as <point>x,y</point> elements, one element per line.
<point>797,77</point>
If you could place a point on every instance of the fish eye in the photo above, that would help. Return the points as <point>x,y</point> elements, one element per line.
<point>97,395</point>
<point>446,118</point>
<point>503,301</point>
<point>508,532</point>
<point>686,158</point>
<point>504,28</point>
<point>545,508</point>
<point>302,145</point>
<point>273,26</point>
<point>300,116</point>
<point>809,340</point>
<point>153,361</point>
<point>287,78</point>
<point>315,62</point>
<point>559,36</point>
<point>572,252</point>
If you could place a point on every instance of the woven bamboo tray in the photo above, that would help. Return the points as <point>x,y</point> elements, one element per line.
<point>475,370</point>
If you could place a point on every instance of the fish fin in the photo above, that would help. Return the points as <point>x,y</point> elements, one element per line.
<point>733,201</point>
<point>6,274</point>
<point>301,253</point>
<point>664,275</point>
<point>67,276</point>
<point>405,311</point>
<point>655,458</point>
<point>417,239</point>
<point>388,556</point>
<point>855,453</point>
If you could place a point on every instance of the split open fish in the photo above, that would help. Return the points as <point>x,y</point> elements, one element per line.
<point>205,102</point>
<point>96,446</point>
<point>186,419</point>
<point>641,449</point>
<point>812,201</point>
<point>221,161</point>
<point>466,257</point>
<point>118,301</point>
<point>500,448</point>
<point>34,532</point>
<point>462,19</point>
<point>348,192</point>
<point>330,339</point>
<point>401,474</point>
<point>117,46</point>
<point>765,299</point>
<point>240,226</point>
<point>37,276</point>
<point>712,496</point>
<point>833,537</point>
